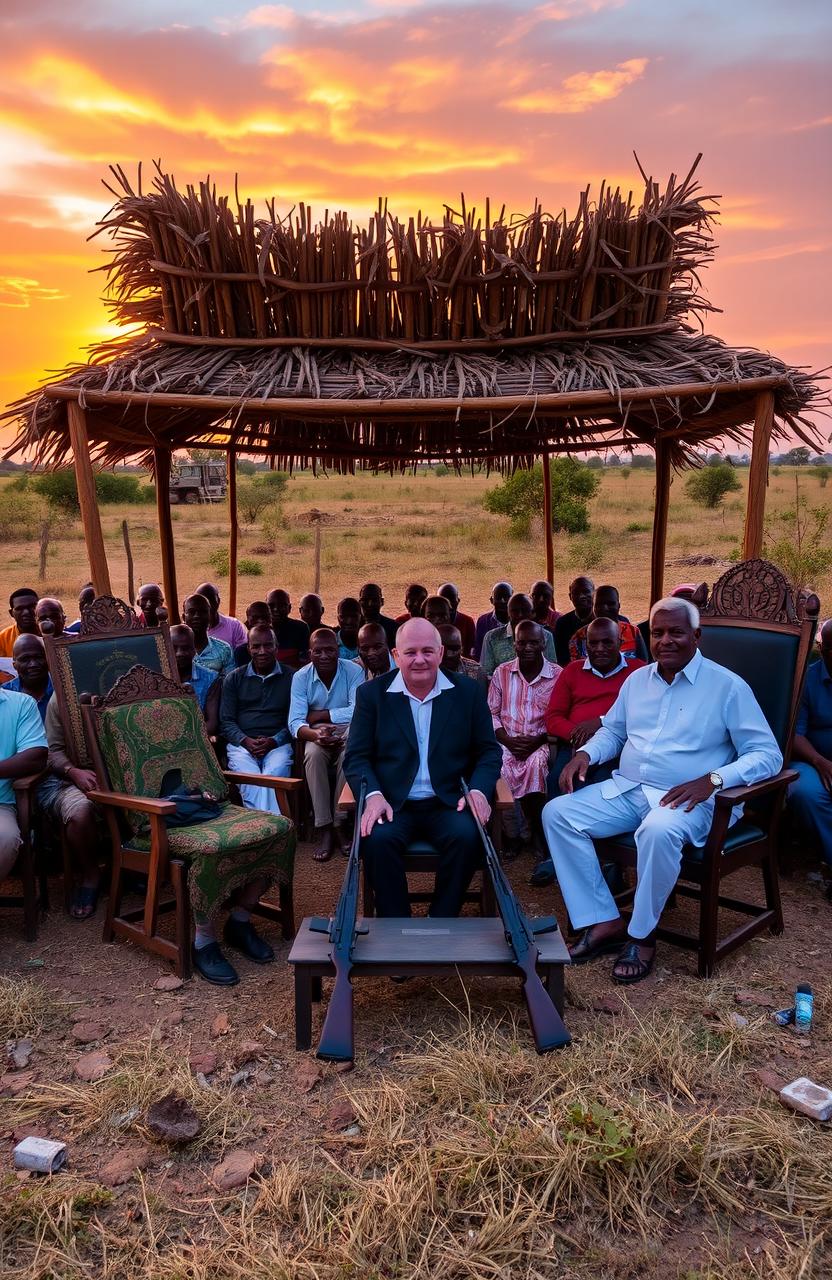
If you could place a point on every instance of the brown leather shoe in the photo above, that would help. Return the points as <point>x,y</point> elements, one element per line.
<point>589,946</point>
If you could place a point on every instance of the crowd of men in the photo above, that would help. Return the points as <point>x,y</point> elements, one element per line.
<point>597,725</point>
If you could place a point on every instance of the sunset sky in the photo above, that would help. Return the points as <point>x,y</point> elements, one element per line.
<point>338,103</point>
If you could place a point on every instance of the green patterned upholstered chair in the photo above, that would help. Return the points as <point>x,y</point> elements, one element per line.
<point>144,727</point>
<point>753,624</point>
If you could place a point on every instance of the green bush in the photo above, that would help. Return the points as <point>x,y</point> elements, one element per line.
<point>442,469</point>
<point>709,486</point>
<point>61,491</point>
<point>823,472</point>
<point>246,568</point>
<point>520,496</point>
<point>797,542</point>
<point>588,551</point>
<point>252,500</point>
<point>21,514</point>
<point>273,522</point>
<point>635,526</point>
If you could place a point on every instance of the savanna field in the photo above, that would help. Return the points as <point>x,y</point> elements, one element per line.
<point>654,1148</point>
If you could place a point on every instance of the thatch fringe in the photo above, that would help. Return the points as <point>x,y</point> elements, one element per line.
<point>196,263</point>
<point>499,439</point>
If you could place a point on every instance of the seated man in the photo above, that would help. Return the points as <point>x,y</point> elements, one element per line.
<point>811,796</point>
<point>62,797</point>
<point>291,634</point>
<point>349,624</point>
<point>50,617</point>
<point>212,653</point>
<point>22,604</point>
<point>85,596</point>
<point>452,659</point>
<point>437,610</point>
<point>414,733</point>
<point>414,597</point>
<point>22,752</point>
<point>370,600</point>
<point>585,692</point>
<point>497,616</point>
<point>499,644</point>
<point>581,591</point>
<point>463,622</point>
<point>151,605</point>
<point>518,697</point>
<point>221,626</point>
<point>29,659</point>
<point>258,614</point>
<point>206,684</point>
<point>543,601</point>
<point>311,610</point>
<point>323,697</point>
<point>374,655</point>
<point>606,604</point>
<point>684,591</point>
<point>254,719</point>
<point>684,727</point>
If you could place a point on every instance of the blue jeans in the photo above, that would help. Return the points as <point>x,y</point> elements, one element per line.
<point>812,803</point>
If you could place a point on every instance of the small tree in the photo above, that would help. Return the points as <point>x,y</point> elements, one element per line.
<point>797,541</point>
<point>520,496</point>
<point>709,486</point>
<point>823,472</point>
<point>798,457</point>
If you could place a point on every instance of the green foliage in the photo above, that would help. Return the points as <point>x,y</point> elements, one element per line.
<point>775,471</point>
<point>636,527</point>
<point>644,461</point>
<point>59,489</point>
<point>21,515</point>
<point>798,457</point>
<point>823,471</point>
<point>797,540</point>
<point>273,521</point>
<point>276,482</point>
<point>218,561</point>
<point>246,468</point>
<point>252,501</point>
<point>588,551</point>
<point>441,469</point>
<point>520,496</point>
<point>709,486</point>
<point>112,487</point>
<point>595,463</point>
<point>601,1134</point>
<point>624,472</point>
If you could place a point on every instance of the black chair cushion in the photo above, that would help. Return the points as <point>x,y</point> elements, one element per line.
<point>742,833</point>
<point>422,848</point>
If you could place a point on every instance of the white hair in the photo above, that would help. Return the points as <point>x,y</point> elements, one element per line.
<point>676,604</point>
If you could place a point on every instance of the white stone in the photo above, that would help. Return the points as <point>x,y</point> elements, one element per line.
<point>813,1100</point>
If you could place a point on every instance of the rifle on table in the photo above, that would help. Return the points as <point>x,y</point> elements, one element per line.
<point>336,1043</point>
<point>547,1025</point>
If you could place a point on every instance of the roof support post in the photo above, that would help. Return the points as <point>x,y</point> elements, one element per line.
<point>161,466</point>
<point>233,531</point>
<point>660,511</point>
<point>752,543</point>
<point>547,519</point>
<point>87,500</point>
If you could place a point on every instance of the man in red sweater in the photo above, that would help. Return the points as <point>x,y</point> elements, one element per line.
<point>586,690</point>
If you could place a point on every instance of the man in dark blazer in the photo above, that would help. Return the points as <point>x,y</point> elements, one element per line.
<point>415,732</point>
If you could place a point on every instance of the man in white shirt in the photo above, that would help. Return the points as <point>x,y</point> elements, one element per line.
<point>415,733</point>
<point>323,698</point>
<point>685,728</point>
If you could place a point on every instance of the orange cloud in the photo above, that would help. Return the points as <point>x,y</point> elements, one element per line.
<point>18,292</point>
<point>581,91</point>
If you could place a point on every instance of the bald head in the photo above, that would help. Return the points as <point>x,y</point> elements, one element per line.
<point>418,653</point>
<point>603,645</point>
<point>29,659</point>
<point>50,616</point>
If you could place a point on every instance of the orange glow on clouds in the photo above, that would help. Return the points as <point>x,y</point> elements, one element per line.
<point>415,101</point>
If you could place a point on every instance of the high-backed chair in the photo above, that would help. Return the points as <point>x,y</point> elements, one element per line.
<point>753,624</point>
<point>144,727</point>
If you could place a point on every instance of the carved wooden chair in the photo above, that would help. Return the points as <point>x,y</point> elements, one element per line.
<point>754,625</point>
<point>145,726</point>
<point>30,865</point>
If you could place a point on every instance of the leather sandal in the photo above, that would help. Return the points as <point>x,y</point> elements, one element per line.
<point>589,948</point>
<point>641,968</point>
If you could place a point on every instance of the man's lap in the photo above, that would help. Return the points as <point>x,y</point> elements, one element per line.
<point>590,813</point>
<point>420,820</point>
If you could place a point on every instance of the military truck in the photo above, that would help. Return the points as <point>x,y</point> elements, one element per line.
<point>198,482</point>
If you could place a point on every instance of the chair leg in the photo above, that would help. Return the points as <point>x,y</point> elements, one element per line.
<point>287,911</point>
<point>68,872</point>
<point>771,884</point>
<point>31,903</point>
<point>369,896</point>
<point>179,880</point>
<point>114,900</point>
<point>708,922</point>
<point>488,903</point>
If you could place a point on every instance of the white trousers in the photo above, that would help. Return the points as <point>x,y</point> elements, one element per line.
<point>277,764</point>
<point>571,822</point>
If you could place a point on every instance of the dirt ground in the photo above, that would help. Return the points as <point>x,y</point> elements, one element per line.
<point>283,1107</point>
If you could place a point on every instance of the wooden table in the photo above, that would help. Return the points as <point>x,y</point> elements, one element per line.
<point>417,946</point>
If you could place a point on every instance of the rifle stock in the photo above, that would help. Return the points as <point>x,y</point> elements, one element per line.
<point>547,1025</point>
<point>337,1035</point>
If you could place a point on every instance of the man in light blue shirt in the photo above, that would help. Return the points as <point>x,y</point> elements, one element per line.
<point>23,751</point>
<point>685,728</point>
<point>320,711</point>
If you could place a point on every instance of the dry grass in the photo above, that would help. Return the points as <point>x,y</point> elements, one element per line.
<point>477,1160</point>
<point>26,1007</point>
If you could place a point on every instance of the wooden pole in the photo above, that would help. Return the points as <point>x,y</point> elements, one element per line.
<point>233,531</point>
<point>128,551</point>
<point>547,520</point>
<point>161,465</point>
<point>660,510</point>
<point>87,500</point>
<point>752,543</point>
<point>317,586</point>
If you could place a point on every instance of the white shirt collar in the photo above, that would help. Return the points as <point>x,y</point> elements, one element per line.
<point>397,685</point>
<point>622,663</point>
<point>690,672</point>
<point>546,672</point>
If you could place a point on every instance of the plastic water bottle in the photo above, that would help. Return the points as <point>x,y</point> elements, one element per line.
<point>803,1008</point>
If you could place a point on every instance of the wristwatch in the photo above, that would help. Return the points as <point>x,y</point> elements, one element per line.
<point>716,781</point>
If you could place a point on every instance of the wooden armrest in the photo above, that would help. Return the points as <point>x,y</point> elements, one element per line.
<point>263,780</point>
<point>30,780</point>
<point>731,796</point>
<point>141,804</point>
<point>346,800</point>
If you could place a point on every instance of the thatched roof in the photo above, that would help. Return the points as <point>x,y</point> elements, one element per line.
<point>470,340</point>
